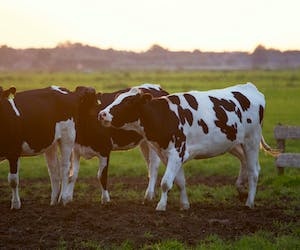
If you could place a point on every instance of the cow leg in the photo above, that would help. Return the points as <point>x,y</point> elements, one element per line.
<point>180,182</point>
<point>102,177</point>
<point>241,182</point>
<point>167,181</point>
<point>153,162</point>
<point>66,146</point>
<point>53,170</point>
<point>13,180</point>
<point>73,174</point>
<point>251,149</point>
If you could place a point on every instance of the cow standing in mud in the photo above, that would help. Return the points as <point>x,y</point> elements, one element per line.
<point>39,121</point>
<point>196,125</point>
<point>95,140</point>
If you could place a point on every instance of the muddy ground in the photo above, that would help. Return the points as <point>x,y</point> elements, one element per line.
<point>37,225</point>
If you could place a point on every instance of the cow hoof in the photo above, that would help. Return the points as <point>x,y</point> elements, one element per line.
<point>160,207</point>
<point>67,199</point>
<point>105,201</point>
<point>54,199</point>
<point>149,196</point>
<point>249,205</point>
<point>105,197</point>
<point>15,204</point>
<point>184,206</point>
<point>53,203</point>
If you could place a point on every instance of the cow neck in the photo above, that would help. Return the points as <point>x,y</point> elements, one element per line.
<point>86,121</point>
<point>159,123</point>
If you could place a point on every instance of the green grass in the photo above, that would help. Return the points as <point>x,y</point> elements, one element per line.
<point>260,240</point>
<point>282,92</point>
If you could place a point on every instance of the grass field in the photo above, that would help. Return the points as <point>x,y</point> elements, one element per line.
<point>282,92</point>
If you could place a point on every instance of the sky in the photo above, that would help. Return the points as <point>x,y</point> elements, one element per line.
<point>207,25</point>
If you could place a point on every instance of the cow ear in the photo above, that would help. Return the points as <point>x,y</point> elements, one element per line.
<point>9,93</point>
<point>146,97</point>
<point>98,97</point>
<point>115,97</point>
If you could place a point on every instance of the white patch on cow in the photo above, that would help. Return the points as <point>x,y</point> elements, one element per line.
<point>135,126</point>
<point>103,161</point>
<point>57,88</point>
<point>13,105</point>
<point>26,150</point>
<point>63,127</point>
<point>13,180</point>
<point>149,86</point>
<point>66,133</point>
<point>126,147</point>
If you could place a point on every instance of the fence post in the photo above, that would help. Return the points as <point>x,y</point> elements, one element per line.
<point>281,146</point>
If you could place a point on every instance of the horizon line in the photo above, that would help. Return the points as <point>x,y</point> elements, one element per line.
<point>67,43</point>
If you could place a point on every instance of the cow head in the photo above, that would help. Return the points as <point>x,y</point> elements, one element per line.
<point>85,93</point>
<point>125,109</point>
<point>7,93</point>
<point>87,100</point>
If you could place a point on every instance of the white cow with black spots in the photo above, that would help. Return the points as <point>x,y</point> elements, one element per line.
<point>196,125</point>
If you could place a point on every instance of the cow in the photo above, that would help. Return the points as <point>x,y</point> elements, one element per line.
<point>41,121</point>
<point>196,125</point>
<point>95,140</point>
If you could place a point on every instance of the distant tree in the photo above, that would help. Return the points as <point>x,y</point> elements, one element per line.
<point>260,57</point>
<point>259,49</point>
<point>197,51</point>
<point>68,44</point>
<point>155,48</point>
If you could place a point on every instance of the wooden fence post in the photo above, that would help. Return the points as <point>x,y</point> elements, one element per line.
<point>281,146</point>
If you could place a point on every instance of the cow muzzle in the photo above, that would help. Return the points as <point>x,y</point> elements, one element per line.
<point>105,118</point>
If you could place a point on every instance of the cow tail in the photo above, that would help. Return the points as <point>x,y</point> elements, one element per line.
<point>265,147</point>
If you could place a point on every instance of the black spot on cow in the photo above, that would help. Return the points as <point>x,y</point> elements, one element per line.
<point>179,142</point>
<point>239,114</point>
<point>174,99</point>
<point>191,101</point>
<point>181,151</point>
<point>151,117</point>
<point>203,125</point>
<point>243,100</point>
<point>185,115</point>
<point>261,113</point>
<point>220,105</point>
<point>249,120</point>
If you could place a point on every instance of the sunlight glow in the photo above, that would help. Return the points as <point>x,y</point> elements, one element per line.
<point>207,25</point>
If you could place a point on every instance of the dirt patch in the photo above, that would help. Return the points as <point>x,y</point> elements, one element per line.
<point>37,225</point>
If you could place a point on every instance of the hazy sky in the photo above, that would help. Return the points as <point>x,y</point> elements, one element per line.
<point>208,25</point>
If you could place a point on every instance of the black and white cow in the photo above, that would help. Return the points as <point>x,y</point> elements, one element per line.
<point>38,121</point>
<point>95,140</point>
<point>195,125</point>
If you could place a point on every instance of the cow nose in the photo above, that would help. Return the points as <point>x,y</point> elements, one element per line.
<point>102,115</point>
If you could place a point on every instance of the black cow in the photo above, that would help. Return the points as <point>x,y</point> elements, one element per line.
<point>95,140</point>
<point>38,121</point>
